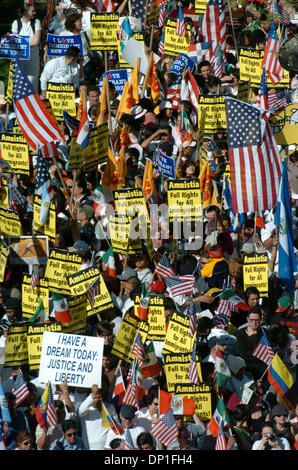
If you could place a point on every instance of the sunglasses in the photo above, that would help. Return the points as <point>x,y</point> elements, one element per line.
<point>27,443</point>
<point>71,434</point>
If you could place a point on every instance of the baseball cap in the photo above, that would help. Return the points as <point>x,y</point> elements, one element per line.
<point>284,303</point>
<point>248,248</point>
<point>127,411</point>
<point>127,274</point>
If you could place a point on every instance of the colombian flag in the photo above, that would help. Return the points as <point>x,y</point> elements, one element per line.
<point>41,409</point>
<point>279,376</point>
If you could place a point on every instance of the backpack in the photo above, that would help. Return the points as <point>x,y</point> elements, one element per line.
<point>32,22</point>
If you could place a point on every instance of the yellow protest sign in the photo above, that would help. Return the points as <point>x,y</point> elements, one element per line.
<point>97,149</point>
<point>119,234</point>
<point>60,265</point>
<point>10,224</point>
<point>176,368</point>
<point>184,201</point>
<point>31,298</point>
<point>49,228</point>
<point>243,91</point>
<point>4,198</point>
<point>200,6</point>
<point>285,125</point>
<point>34,341</point>
<point>250,62</point>
<point>255,272</point>
<point>102,301</point>
<point>3,259</point>
<point>156,317</point>
<point>78,313</point>
<point>80,281</point>
<point>15,151</point>
<point>175,43</point>
<point>211,110</point>
<point>76,155</point>
<point>177,339</point>
<point>131,202</point>
<point>62,97</point>
<point>125,338</point>
<point>103,31</point>
<point>16,350</point>
<point>201,395</point>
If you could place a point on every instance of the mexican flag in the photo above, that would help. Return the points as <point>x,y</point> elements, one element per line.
<point>144,303</point>
<point>220,415</point>
<point>151,367</point>
<point>222,371</point>
<point>179,405</point>
<point>109,260</point>
<point>99,203</point>
<point>61,309</point>
<point>39,315</point>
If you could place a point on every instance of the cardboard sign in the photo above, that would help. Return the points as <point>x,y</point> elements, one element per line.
<point>255,272</point>
<point>125,338</point>
<point>176,368</point>
<point>103,31</point>
<point>60,265</point>
<point>76,155</point>
<point>184,201</point>
<point>212,112</point>
<point>10,224</point>
<point>102,302</point>
<point>8,96</point>
<point>177,338</point>
<point>15,151</point>
<point>130,202</point>
<point>153,12</point>
<point>14,46</point>
<point>116,77</point>
<point>285,125</point>
<point>243,91</point>
<point>201,395</point>
<point>74,358</point>
<point>62,97</point>
<point>34,341</point>
<point>49,228</point>
<point>139,37</point>
<point>175,43</point>
<point>31,298</point>
<point>28,250</point>
<point>97,149</point>
<point>16,350</point>
<point>78,313</point>
<point>4,197</point>
<point>182,61</point>
<point>166,165</point>
<point>156,317</point>
<point>80,282</point>
<point>200,6</point>
<point>4,251</point>
<point>58,45</point>
<point>119,234</point>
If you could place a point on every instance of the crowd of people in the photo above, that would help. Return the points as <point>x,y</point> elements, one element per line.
<point>269,419</point>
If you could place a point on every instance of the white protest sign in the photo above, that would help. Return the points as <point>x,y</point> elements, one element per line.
<point>74,358</point>
<point>134,50</point>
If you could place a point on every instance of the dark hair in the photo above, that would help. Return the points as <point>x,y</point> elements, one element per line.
<point>267,424</point>
<point>203,324</point>
<point>72,51</point>
<point>294,156</point>
<point>185,165</point>
<point>251,290</point>
<point>240,412</point>
<point>81,183</point>
<point>133,152</point>
<point>59,404</point>
<point>213,208</point>
<point>257,309</point>
<point>144,438</point>
<point>214,81</point>
<point>115,443</point>
<point>92,110</point>
<point>69,424</point>
<point>22,435</point>
<point>71,20</point>
<point>203,63</point>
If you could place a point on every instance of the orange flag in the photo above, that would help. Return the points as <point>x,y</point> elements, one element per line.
<point>110,177</point>
<point>103,104</point>
<point>152,81</point>
<point>80,107</point>
<point>148,182</point>
<point>126,102</point>
<point>134,82</point>
<point>205,185</point>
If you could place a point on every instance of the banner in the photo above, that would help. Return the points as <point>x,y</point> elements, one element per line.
<point>10,224</point>
<point>4,251</point>
<point>176,368</point>
<point>130,202</point>
<point>175,43</point>
<point>15,151</point>
<point>76,155</point>
<point>34,341</point>
<point>58,45</point>
<point>184,201</point>
<point>212,114</point>
<point>49,228</point>
<point>104,29</point>
<point>285,125</point>
<point>31,297</point>
<point>97,149</point>
<point>16,349</point>
<point>74,358</point>
<point>166,165</point>
<point>62,97</point>
<point>117,78</point>
<point>8,96</point>
<point>60,265</point>
<point>243,91</point>
<point>200,6</point>
<point>4,196</point>
<point>15,46</point>
<point>28,250</point>
<point>153,13</point>
<point>255,272</point>
<point>178,339</point>
<point>181,62</point>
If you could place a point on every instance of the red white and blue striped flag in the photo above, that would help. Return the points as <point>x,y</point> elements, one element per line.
<point>36,123</point>
<point>51,411</point>
<point>180,26</point>
<point>34,278</point>
<point>221,442</point>
<point>165,430</point>
<point>193,373</point>
<point>138,350</point>
<point>214,25</point>
<point>164,268</point>
<point>128,444</point>
<point>270,60</point>
<point>180,285</point>
<point>20,389</point>
<point>263,350</point>
<point>192,318</point>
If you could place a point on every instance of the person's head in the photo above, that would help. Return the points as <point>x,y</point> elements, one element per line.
<point>92,113</point>
<point>236,365</point>
<point>188,168</point>
<point>240,414</point>
<point>24,440</point>
<point>212,213</point>
<point>213,85</point>
<point>279,416</point>
<point>204,69</point>
<point>84,215</point>
<point>254,318</point>
<point>141,261</point>
<point>285,306</point>
<point>72,55</point>
<point>105,331</point>
<point>106,358</point>
<point>152,401</point>
<point>60,411</point>
<point>129,280</point>
<point>73,22</point>
<point>184,438</point>
<point>11,307</point>
<point>252,296</point>
<point>268,433</point>
<point>145,441</point>
<point>80,188</point>
<point>93,95</point>
<point>264,22</point>
<point>204,326</point>
<point>117,444</point>
<point>127,414</point>
<point>27,11</point>
<point>70,431</point>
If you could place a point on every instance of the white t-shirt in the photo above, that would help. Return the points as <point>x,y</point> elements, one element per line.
<point>284,444</point>
<point>26,29</point>
<point>134,432</point>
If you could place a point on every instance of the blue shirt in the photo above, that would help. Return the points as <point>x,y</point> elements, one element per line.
<point>62,444</point>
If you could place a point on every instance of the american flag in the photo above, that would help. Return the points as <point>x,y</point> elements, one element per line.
<point>36,123</point>
<point>165,430</point>
<point>220,320</point>
<point>218,62</point>
<point>42,174</point>
<point>254,158</point>
<point>162,15</point>
<point>131,393</point>
<point>192,318</point>
<point>128,444</point>
<point>270,60</point>
<point>93,291</point>
<point>225,307</point>
<point>138,9</point>
<point>276,101</point>
<point>17,202</point>
<point>263,92</point>
<point>190,91</point>
<point>49,150</point>
<point>34,278</point>
<point>193,374</point>
<point>180,285</point>
<point>164,268</point>
<point>263,350</point>
<point>138,350</point>
<point>20,389</point>
<point>180,26</point>
<point>221,442</point>
<point>174,92</point>
<point>281,14</point>
<point>214,25</point>
<point>161,47</point>
<point>51,413</point>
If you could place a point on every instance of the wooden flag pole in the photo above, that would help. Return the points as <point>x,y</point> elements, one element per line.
<point>233,31</point>
<point>109,108</point>
<point>106,60</point>
<point>146,14</point>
